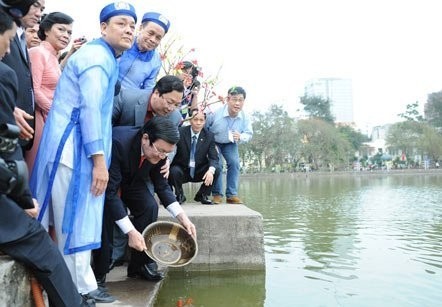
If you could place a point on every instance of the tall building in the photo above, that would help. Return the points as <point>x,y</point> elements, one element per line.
<point>338,91</point>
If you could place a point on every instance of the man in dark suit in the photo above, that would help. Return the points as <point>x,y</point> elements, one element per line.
<point>130,107</point>
<point>137,157</point>
<point>18,60</point>
<point>133,107</point>
<point>21,236</point>
<point>197,164</point>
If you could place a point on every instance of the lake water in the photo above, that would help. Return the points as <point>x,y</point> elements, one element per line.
<point>341,240</point>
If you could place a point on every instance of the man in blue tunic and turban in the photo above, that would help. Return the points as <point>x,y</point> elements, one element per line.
<point>71,169</point>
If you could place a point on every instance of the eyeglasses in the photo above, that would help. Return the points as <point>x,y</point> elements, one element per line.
<point>236,99</point>
<point>161,154</point>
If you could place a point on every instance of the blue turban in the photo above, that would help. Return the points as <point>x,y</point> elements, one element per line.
<point>158,19</point>
<point>117,8</point>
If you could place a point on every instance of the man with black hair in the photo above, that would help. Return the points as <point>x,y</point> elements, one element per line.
<point>231,126</point>
<point>137,158</point>
<point>196,159</point>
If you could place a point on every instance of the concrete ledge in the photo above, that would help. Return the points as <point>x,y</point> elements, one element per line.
<point>229,236</point>
<point>14,283</point>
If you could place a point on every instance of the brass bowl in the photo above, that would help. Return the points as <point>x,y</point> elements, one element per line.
<point>169,244</point>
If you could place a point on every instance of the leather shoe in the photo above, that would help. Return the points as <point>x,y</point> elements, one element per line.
<point>203,199</point>
<point>148,271</point>
<point>180,198</point>
<point>101,296</point>
<point>234,200</point>
<point>217,199</point>
<point>114,263</point>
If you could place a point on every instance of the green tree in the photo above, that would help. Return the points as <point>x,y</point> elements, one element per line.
<point>274,141</point>
<point>317,107</point>
<point>355,138</point>
<point>412,113</point>
<point>431,142</point>
<point>433,109</point>
<point>405,136</point>
<point>322,144</point>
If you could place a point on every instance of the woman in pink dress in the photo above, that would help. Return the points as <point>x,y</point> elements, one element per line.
<point>55,33</point>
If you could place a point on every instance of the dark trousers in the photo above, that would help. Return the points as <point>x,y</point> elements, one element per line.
<point>25,240</point>
<point>144,209</point>
<point>178,176</point>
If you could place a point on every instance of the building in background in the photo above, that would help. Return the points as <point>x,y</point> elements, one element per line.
<point>340,94</point>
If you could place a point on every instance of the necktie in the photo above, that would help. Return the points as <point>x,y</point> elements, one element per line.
<point>192,156</point>
<point>23,43</point>
<point>141,161</point>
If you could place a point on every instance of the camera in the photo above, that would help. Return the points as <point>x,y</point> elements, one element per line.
<point>13,173</point>
<point>81,40</point>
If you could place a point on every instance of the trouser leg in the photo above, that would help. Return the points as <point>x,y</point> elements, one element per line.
<point>79,262</point>
<point>35,249</point>
<point>144,209</point>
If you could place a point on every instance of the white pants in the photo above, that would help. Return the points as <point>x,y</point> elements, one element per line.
<point>79,264</point>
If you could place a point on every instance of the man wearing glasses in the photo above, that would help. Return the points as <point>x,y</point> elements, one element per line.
<point>132,107</point>
<point>135,107</point>
<point>137,158</point>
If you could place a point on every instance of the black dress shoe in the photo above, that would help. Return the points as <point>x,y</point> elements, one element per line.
<point>101,296</point>
<point>180,198</point>
<point>203,198</point>
<point>148,271</point>
<point>114,263</point>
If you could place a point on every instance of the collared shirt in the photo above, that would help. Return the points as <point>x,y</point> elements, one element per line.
<point>220,123</point>
<point>139,69</point>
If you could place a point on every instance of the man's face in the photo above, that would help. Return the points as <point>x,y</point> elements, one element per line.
<point>235,104</point>
<point>6,39</point>
<point>32,39</point>
<point>197,122</point>
<point>150,36</point>
<point>34,14</point>
<point>118,32</point>
<point>156,151</point>
<point>165,103</point>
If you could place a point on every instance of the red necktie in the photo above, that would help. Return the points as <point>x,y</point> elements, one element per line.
<point>141,161</point>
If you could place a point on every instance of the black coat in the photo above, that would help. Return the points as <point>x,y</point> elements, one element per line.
<point>124,173</point>
<point>17,60</point>
<point>206,154</point>
<point>8,93</point>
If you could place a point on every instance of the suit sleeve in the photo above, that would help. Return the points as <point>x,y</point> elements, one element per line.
<point>113,201</point>
<point>213,152</point>
<point>162,187</point>
<point>8,94</point>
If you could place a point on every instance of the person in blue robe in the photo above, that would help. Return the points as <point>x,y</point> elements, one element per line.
<point>71,168</point>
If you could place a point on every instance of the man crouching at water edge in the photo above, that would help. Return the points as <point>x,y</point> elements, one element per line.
<point>137,158</point>
<point>71,169</point>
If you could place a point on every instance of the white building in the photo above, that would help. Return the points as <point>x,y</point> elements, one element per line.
<point>340,94</point>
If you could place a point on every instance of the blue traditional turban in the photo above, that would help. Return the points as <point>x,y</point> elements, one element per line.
<point>117,8</point>
<point>158,19</point>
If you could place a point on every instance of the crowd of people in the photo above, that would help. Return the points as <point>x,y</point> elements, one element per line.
<point>103,137</point>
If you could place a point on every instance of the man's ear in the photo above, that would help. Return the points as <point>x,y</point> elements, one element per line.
<point>145,136</point>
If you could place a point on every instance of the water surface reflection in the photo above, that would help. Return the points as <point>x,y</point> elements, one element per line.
<point>347,240</point>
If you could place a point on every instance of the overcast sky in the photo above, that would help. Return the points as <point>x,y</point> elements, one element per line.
<point>391,49</point>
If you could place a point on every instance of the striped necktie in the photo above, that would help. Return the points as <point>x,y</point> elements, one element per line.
<point>192,156</point>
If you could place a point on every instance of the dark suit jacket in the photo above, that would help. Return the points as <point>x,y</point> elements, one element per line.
<point>124,172</point>
<point>17,60</point>
<point>8,94</point>
<point>130,107</point>
<point>206,154</point>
